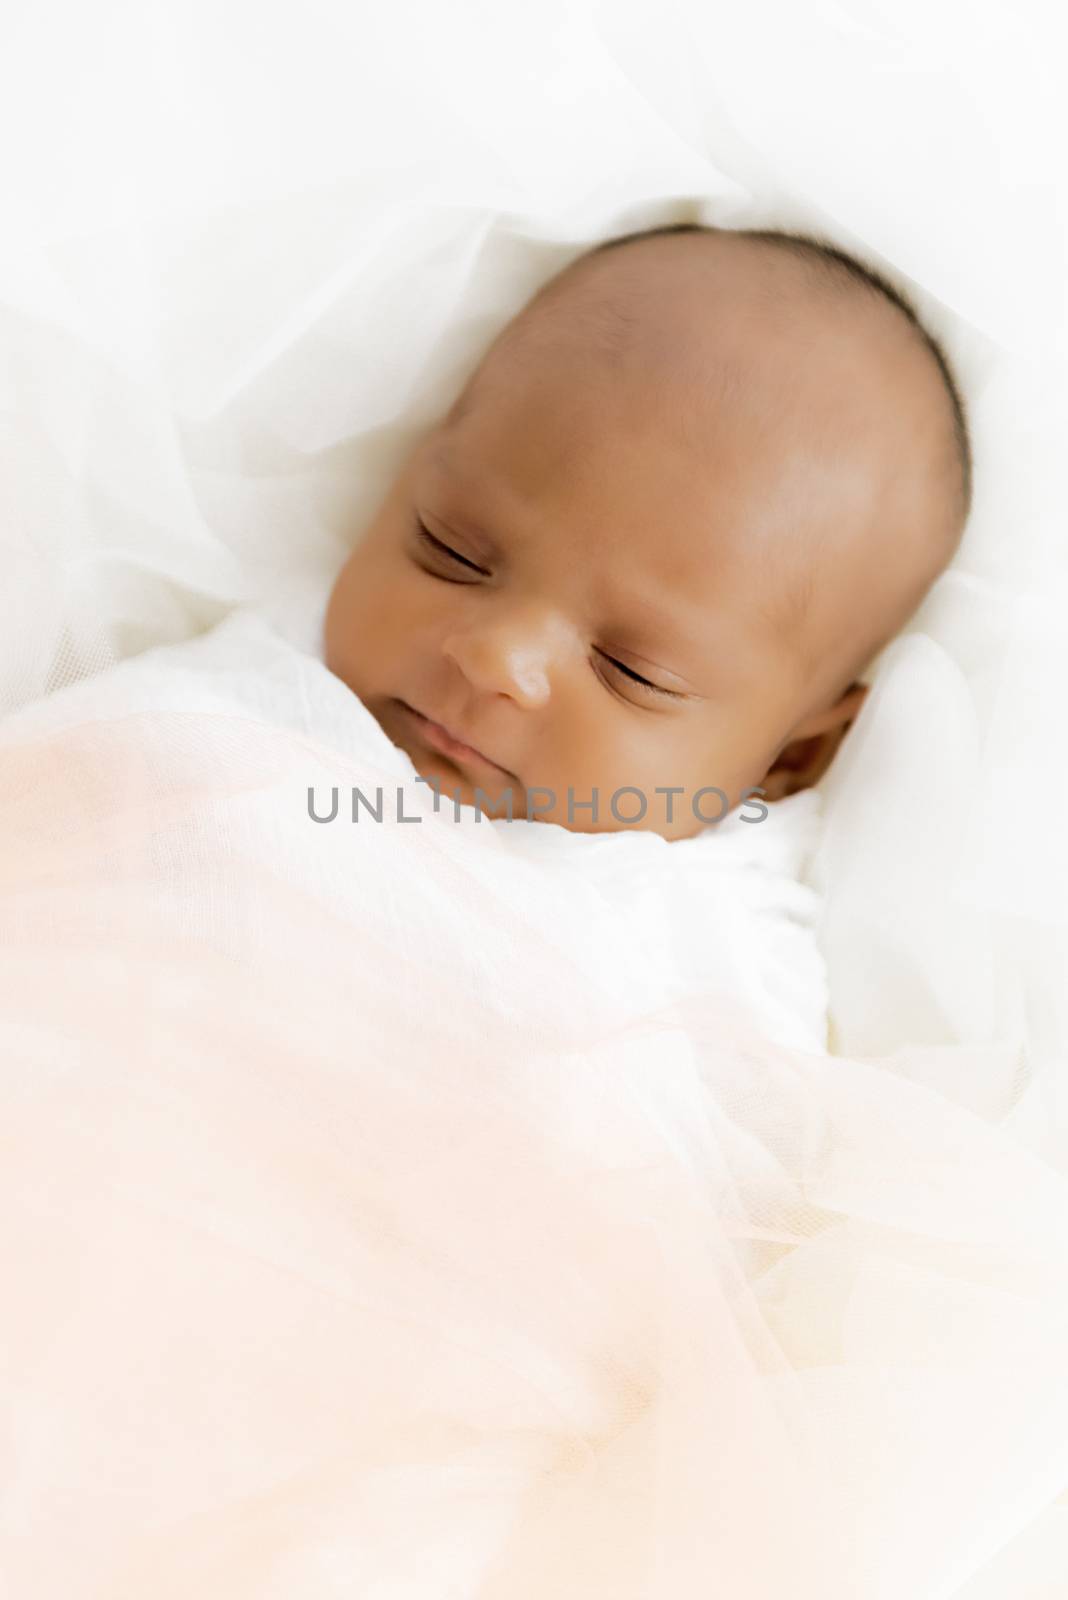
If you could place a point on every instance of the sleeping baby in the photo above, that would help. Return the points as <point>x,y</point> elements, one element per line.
<point>627,587</point>
<point>634,577</point>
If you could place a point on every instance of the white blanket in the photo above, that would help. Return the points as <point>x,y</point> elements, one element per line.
<point>439,1209</point>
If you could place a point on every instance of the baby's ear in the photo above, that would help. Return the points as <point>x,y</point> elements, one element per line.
<point>805,758</point>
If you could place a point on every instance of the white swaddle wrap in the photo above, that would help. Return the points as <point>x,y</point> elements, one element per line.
<point>426,1209</point>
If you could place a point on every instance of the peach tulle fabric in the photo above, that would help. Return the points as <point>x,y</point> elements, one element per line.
<point>362,1239</point>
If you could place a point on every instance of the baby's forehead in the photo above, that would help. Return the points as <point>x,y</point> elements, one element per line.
<point>692,473</point>
<point>689,472</point>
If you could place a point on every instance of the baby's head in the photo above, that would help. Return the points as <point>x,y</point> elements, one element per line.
<point>688,495</point>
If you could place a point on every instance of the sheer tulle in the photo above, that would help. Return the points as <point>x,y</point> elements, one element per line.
<point>339,1261</point>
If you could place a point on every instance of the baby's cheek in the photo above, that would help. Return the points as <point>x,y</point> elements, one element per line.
<point>349,632</point>
<point>362,602</point>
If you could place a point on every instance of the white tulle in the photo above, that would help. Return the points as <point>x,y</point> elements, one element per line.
<point>307,1294</point>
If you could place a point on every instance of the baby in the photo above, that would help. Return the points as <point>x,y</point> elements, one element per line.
<point>688,495</point>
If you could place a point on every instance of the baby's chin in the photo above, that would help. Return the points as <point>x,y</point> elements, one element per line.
<point>496,797</point>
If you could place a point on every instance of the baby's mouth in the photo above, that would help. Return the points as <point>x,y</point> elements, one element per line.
<point>439,739</point>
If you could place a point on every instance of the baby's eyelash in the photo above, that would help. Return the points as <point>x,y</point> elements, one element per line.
<point>443,549</point>
<point>643,683</point>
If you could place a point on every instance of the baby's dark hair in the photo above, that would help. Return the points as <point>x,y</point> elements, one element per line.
<point>838,267</point>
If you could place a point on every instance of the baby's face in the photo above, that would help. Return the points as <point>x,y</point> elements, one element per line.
<point>541,582</point>
<point>600,587</point>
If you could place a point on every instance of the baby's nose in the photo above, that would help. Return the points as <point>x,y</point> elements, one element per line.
<point>513,653</point>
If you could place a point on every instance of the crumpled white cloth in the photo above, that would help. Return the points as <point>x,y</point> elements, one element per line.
<point>396,1210</point>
